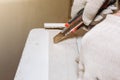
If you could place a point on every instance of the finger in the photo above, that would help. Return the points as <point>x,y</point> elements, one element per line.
<point>98,18</point>
<point>109,10</point>
<point>77,5</point>
<point>113,7</point>
<point>91,10</point>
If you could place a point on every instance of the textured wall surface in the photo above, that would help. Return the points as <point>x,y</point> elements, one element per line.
<point>17,18</point>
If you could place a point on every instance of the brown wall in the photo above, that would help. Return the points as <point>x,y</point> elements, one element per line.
<point>17,18</point>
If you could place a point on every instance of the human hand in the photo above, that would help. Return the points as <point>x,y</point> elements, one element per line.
<point>91,8</point>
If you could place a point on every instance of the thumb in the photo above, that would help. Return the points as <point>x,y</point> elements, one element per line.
<point>91,10</point>
<point>77,5</point>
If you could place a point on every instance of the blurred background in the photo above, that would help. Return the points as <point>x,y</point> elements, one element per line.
<point>17,18</point>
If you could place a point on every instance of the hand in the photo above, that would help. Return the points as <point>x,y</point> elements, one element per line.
<point>102,15</point>
<point>91,8</point>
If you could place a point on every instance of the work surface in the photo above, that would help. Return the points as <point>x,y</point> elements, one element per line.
<point>44,60</point>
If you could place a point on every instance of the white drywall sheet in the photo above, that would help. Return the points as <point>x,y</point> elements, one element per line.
<point>44,60</point>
